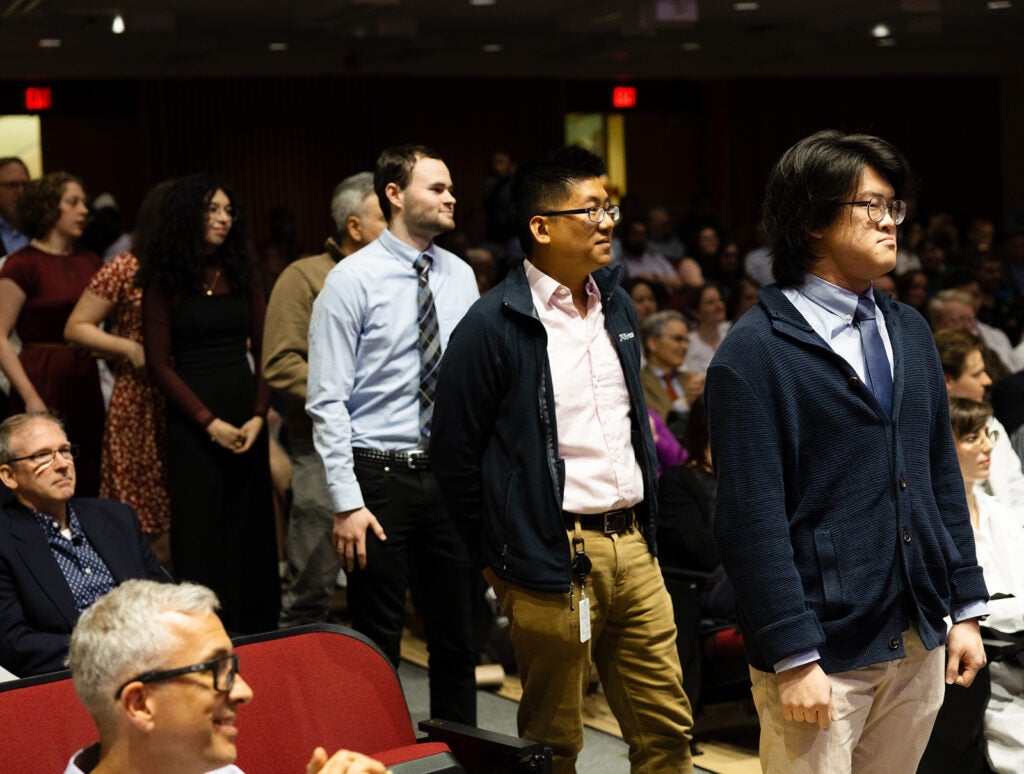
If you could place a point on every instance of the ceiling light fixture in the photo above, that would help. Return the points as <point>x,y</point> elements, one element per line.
<point>117,27</point>
<point>483,2</point>
<point>50,43</point>
<point>691,46</point>
<point>886,42</point>
<point>881,31</point>
<point>278,46</point>
<point>746,6</point>
<point>492,48</point>
<point>998,5</point>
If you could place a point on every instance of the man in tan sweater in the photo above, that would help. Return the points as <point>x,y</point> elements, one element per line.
<point>312,565</point>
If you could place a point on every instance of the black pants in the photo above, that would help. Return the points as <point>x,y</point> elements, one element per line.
<point>408,505</point>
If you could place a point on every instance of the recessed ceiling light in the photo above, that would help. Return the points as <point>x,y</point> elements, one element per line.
<point>881,31</point>
<point>745,6</point>
<point>886,42</point>
<point>691,46</point>
<point>117,26</point>
<point>998,5</point>
<point>50,43</point>
<point>483,2</point>
<point>278,46</point>
<point>492,48</point>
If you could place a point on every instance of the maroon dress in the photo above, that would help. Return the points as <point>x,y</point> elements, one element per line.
<point>65,378</point>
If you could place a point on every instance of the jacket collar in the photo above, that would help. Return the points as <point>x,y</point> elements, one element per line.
<point>786,319</point>
<point>517,295</point>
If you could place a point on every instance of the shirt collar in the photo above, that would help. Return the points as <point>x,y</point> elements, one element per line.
<point>553,293</point>
<point>837,301</point>
<point>52,527</point>
<point>405,252</point>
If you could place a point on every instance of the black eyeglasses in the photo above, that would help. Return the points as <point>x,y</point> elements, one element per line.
<point>877,207</point>
<point>14,184</point>
<point>596,214</point>
<point>40,458</point>
<point>223,668</point>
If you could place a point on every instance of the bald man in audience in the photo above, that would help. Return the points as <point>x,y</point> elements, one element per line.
<point>312,564</point>
<point>154,667</point>
<point>58,553</point>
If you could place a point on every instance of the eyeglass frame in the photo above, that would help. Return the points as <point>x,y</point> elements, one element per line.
<point>982,433</point>
<point>613,211</point>
<point>50,455</point>
<point>206,666</point>
<point>887,209</point>
<point>12,184</point>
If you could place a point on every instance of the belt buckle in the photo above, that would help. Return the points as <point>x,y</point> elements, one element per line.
<point>609,518</point>
<point>417,460</point>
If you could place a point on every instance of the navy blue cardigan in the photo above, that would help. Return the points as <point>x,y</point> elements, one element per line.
<point>494,439</point>
<point>838,526</point>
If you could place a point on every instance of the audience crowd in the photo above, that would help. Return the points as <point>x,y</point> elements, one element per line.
<point>180,315</point>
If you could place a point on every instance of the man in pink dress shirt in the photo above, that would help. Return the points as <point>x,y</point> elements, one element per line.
<point>544,454</point>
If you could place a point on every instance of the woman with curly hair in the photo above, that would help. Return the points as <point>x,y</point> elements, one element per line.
<point>132,467</point>
<point>39,286</point>
<point>202,316</point>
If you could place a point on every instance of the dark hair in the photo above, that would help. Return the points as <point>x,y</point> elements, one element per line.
<point>39,204</point>
<point>5,160</point>
<point>174,254</point>
<point>968,416</point>
<point>808,182</point>
<point>147,221</point>
<point>732,300</point>
<point>954,345</point>
<point>695,295</point>
<point>697,436</point>
<point>395,165</point>
<point>545,181</point>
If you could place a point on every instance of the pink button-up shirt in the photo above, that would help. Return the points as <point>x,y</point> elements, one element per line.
<point>591,402</point>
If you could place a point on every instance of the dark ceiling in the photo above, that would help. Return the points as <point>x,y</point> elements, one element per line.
<point>570,38</point>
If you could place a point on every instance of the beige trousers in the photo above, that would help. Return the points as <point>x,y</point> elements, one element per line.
<point>884,716</point>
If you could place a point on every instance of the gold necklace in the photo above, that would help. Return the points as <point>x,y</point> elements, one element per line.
<point>209,288</point>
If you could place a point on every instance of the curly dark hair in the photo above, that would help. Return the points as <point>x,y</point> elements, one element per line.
<point>39,205</point>
<point>175,254</point>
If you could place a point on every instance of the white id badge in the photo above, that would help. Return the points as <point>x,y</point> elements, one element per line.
<point>584,619</point>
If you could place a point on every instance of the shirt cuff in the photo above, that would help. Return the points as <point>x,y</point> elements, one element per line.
<point>969,610</point>
<point>799,659</point>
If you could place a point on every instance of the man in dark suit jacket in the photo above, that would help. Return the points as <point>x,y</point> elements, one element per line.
<point>58,554</point>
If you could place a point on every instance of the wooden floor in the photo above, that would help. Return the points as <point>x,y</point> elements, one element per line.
<point>726,733</point>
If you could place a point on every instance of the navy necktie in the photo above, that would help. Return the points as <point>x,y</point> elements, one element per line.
<point>429,346</point>
<point>877,362</point>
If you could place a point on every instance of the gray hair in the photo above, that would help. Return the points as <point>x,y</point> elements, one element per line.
<point>655,324</point>
<point>16,422</point>
<point>938,305</point>
<point>124,634</point>
<point>348,197</point>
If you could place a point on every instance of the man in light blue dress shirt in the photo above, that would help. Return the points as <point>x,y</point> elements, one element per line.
<point>364,399</point>
<point>13,179</point>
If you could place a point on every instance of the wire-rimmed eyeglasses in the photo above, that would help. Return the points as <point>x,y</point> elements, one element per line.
<point>596,214</point>
<point>223,668</point>
<point>40,458</point>
<point>877,207</point>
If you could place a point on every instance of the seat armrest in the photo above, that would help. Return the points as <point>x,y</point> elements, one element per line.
<point>489,752</point>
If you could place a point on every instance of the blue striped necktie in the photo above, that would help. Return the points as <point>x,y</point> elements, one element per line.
<point>429,345</point>
<point>877,362</point>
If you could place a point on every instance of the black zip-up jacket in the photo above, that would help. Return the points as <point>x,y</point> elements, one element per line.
<point>494,446</point>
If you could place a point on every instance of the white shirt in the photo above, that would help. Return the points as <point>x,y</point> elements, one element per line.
<point>86,759</point>
<point>999,542</point>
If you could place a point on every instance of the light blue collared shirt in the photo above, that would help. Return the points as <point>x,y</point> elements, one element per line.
<point>364,360</point>
<point>829,310</point>
<point>11,240</point>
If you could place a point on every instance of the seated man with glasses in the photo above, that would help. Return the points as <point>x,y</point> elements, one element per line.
<point>58,554</point>
<point>157,672</point>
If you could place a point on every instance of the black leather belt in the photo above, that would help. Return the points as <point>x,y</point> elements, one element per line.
<point>417,459</point>
<point>608,523</point>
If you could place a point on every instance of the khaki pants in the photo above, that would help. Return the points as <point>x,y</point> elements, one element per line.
<point>884,716</point>
<point>633,644</point>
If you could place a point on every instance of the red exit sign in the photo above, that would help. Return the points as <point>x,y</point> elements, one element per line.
<point>624,96</point>
<point>38,98</point>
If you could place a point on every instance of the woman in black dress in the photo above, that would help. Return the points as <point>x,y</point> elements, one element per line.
<point>202,316</point>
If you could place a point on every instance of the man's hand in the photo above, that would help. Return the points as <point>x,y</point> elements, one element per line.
<point>349,536</point>
<point>343,762</point>
<point>247,435</point>
<point>965,653</point>
<point>806,695</point>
